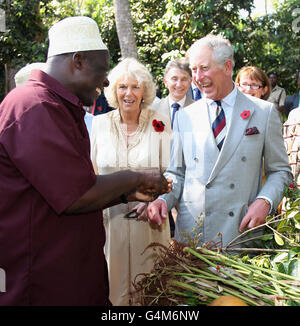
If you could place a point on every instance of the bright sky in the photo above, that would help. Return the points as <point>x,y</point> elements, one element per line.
<point>260,7</point>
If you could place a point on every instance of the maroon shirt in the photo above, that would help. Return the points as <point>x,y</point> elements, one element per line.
<point>49,258</point>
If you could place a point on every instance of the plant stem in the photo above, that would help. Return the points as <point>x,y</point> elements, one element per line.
<point>193,289</point>
<point>256,249</point>
<point>250,267</point>
<point>240,281</point>
<point>233,284</point>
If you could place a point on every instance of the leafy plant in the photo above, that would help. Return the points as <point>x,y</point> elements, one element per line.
<point>164,29</point>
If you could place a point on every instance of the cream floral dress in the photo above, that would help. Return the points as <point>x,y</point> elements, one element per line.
<point>126,239</point>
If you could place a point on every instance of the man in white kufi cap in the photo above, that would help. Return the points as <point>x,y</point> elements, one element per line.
<point>52,232</point>
<point>74,34</point>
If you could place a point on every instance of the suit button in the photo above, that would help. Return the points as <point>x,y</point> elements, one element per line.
<point>231,186</point>
<point>196,159</point>
<point>244,159</point>
<point>208,213</point>
<point>231,214</point>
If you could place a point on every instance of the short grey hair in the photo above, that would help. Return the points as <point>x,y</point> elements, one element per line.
<point>180,63</point>
<point>222,48</point>
<point>130,67</point>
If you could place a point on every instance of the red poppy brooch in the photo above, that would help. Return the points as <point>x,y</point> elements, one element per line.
<point>159,126</point>
<point>245,114</point>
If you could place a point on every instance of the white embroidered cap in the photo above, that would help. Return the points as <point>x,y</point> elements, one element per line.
<point>73,34</point>
<point>23,74</point>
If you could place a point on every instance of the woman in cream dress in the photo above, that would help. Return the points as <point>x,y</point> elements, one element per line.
<point>129,137</point>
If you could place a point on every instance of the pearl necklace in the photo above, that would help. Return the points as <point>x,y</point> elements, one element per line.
<point>125,133</point>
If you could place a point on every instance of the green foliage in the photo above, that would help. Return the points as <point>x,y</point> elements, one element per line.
<point>281,51</point>
<point>169,28</point>
<point>27,24</point>
<point>23,42</point>
<point>163,29</point>
<point>103,13</point>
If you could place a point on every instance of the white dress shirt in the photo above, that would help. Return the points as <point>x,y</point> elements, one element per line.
<point>171,102</point>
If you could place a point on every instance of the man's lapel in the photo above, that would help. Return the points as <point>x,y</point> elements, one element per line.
<point>235,132</point>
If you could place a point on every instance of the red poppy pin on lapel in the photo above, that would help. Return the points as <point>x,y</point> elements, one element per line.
<point>245,114</point>
<point>159,126</point>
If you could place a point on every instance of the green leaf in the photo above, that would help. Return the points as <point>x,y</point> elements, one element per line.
<point>280,257</point>
<point>281,268</point>
<point>294,268</point>
<point>294,252</point>
<point>280,225</point>
<point>250,277</point>
<point>297,217</point>
<point>278,239</point>
<point>285,229</point>
<point>266,237</point>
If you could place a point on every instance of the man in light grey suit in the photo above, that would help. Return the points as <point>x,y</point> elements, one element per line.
<point>218,146</point>
<point>177,79</point>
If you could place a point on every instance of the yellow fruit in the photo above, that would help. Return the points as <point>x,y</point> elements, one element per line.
<point>228,300</point>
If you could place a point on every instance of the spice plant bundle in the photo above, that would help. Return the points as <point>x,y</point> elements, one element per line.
<point>189,276</point>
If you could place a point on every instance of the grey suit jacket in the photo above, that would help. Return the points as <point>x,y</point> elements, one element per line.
<point>221,185</point>
<point>163,105</point>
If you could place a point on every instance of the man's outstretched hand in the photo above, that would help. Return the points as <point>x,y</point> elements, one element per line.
<point>157,211</point>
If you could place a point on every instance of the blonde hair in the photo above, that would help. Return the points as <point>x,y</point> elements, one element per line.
<point>255,73</point>
<point>132,68</point>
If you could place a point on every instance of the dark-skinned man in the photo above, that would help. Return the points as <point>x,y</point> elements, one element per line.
<point>51,228</point>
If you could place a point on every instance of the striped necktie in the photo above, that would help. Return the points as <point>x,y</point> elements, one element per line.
<point>219,125</point>
<point>175,107</point>
<point>197,94</point>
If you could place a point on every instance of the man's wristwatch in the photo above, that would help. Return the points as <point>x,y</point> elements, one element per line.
<point>267,202</point>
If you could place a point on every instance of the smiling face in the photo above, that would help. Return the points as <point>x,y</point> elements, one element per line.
<point>90,75</point>
<point>213,79</point>
<point>247,84</point>
<point>129,94</point>
<point>178,82</point>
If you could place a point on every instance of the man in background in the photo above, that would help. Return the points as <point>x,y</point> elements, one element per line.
<point>278,94</point>
<point>177,79</point>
